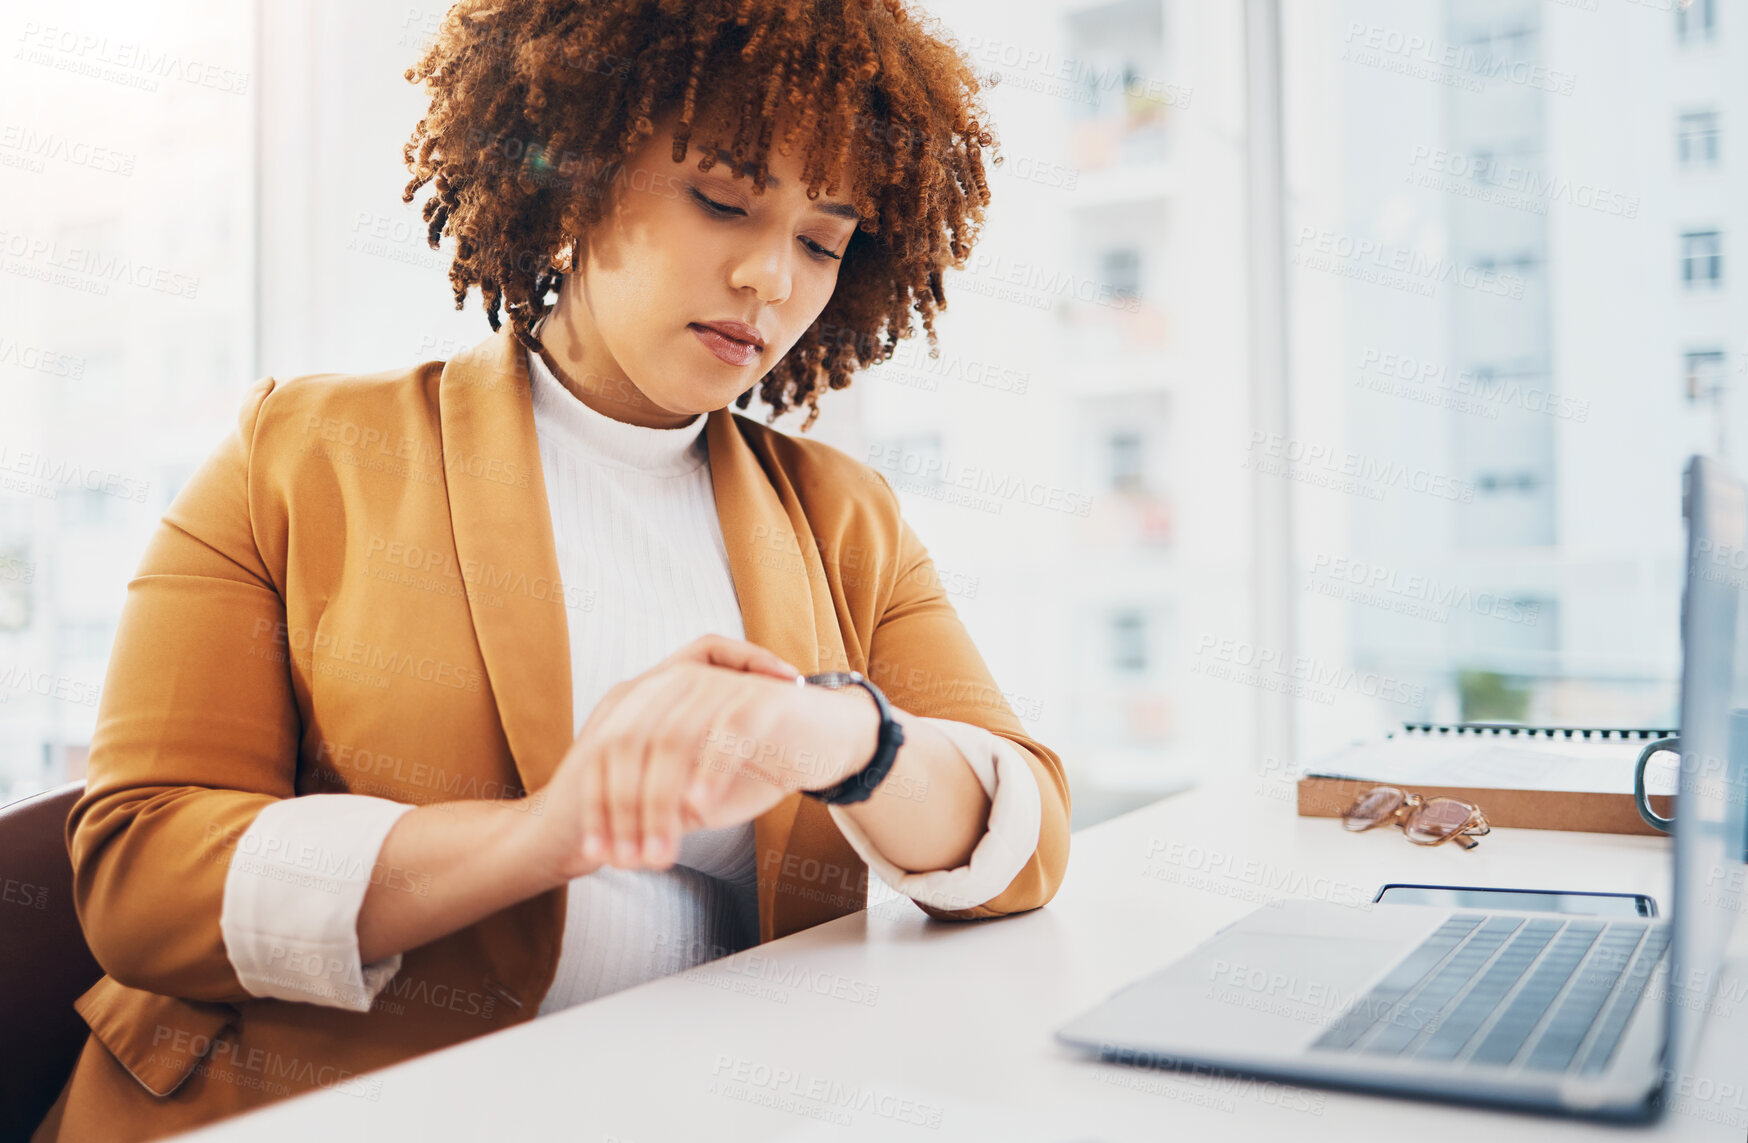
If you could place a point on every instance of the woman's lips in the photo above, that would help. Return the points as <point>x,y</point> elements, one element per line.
<point>727,349</point>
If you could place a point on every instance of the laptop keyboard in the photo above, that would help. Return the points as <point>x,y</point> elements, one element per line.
<point>1538,994</point>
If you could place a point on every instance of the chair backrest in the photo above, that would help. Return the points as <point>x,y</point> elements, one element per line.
<point>44,964</point>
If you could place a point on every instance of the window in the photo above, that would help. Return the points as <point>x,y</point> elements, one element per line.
<point>1696,140</point>
<point>1703,373</point>
<point>17,573</point>
<point>1696,21</point>
<point>1121,270</point>
<point>85,507</point>
<point>134,355</point>
<point>1129,642</point>
<point>1128,462</point>
<point>1490,48</point>
<point>1702,259</point>
<point>1494,483</point>
<point>1476,414</point>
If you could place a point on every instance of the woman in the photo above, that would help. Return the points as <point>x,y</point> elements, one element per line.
<point>450,696</point>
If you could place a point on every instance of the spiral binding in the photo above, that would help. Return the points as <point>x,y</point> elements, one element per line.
<point>1513,729</point>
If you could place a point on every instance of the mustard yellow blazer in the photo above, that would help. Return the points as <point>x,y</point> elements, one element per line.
<point>392,528</point>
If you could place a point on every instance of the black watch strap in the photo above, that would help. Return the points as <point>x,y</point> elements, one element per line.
<point>859,787</point>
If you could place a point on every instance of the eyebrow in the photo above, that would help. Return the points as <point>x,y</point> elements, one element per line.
<point>836,209</point>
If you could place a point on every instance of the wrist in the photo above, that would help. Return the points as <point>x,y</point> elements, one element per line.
<point>538,847</point>
<point>866,743</point>
<point>862,737</point>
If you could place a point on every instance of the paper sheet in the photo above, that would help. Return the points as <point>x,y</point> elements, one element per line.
<point>1491,761</point>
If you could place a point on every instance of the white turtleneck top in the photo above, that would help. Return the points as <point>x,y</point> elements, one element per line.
<point>634,522</point>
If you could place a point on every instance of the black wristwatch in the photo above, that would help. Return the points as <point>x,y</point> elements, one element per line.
<point>859,787</point>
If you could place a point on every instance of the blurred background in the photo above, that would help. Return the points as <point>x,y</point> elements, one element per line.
<point>1197,514</point>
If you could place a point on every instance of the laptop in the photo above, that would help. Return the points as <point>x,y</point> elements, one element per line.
<point>1556,1012</point>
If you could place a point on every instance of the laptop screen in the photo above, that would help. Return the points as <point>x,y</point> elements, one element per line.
<point>1711,826</point>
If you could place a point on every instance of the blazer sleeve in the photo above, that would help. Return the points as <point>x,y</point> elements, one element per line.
<point>197,732</point>
<point>1007,843</point>
<point>923,659</point>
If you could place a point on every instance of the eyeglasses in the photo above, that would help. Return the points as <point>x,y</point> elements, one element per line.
<point>1426,821</point>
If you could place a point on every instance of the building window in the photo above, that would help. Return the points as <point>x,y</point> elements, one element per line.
<point>86,507</point>
<point>17,573</point>
<point>1121,269</point>
<point>1702,259</point>
<point>1129,642</point>
<point>1489,49</point>
<point>1128,461</point>
<point>1696,140</point>
<point>1523,263</point>
<point>1703,373</point>
<point>1696,21</point>
<point>1498,483</point>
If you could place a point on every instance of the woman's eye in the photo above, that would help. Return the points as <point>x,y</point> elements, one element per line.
<point>723,209</point>
<point>714,206</point>
<point>820,250</point>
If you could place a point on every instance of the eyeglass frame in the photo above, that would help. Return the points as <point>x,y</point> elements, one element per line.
<point>1464,835</point>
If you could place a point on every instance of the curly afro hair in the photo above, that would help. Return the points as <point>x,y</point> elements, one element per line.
<point>536,104</point>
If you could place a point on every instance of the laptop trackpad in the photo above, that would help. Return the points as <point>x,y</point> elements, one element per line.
<point>1248,992</point>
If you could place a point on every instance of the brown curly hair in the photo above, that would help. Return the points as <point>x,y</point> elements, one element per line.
<point>536,104</point>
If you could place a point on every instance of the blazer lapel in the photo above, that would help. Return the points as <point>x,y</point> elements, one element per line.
<point>808,873</point>
<point>504,540</point>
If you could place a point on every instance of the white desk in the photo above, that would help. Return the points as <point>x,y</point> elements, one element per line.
<point>907,1022</point>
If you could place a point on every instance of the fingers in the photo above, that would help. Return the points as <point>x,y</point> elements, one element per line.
<point>646,752</point>
<point>668,766</point>
<point>650,770</point>
<point>622,748</point>
<point>736,654</point>
<point>591,796</point>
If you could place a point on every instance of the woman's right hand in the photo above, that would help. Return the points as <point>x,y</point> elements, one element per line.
<point>569,805</point>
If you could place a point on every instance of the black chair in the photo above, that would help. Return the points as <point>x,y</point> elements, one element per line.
<point>44,963</point>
